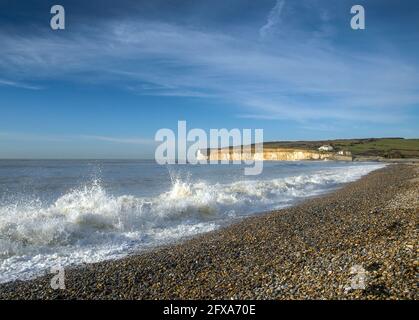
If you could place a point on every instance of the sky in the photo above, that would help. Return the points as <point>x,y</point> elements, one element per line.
<point>121,70</point>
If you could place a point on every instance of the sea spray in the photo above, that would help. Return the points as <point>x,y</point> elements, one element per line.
<point>92,222</point>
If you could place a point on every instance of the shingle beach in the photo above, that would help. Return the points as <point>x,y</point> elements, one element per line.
<point>359,242</point>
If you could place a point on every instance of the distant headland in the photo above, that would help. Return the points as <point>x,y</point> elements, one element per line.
<point>368,149</point>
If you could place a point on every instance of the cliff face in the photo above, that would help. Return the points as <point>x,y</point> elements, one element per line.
<point>277,154</point>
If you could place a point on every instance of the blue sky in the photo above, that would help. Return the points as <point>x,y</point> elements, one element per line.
<point>122,70</point>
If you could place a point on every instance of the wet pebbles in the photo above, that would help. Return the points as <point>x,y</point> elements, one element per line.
<point>359,242</point>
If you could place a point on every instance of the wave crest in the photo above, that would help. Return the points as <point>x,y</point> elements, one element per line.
<point>92,224</point>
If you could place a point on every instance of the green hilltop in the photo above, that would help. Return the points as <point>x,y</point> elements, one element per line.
<point>390,148</point>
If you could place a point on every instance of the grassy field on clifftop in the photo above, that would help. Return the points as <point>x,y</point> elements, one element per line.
<point>380,147</point>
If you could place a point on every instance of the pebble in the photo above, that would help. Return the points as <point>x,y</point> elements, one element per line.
<point>302,252</point>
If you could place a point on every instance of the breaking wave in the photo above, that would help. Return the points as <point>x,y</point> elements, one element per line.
<point>89,224</point>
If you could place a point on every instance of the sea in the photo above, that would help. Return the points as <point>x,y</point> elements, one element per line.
<point>71,212</point>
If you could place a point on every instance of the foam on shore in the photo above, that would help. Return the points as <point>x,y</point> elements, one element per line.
<point>88,224</point>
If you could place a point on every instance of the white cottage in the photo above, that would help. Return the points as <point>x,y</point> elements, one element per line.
<point>326,147</point>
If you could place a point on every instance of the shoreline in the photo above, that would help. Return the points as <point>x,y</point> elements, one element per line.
<point>304,251</point>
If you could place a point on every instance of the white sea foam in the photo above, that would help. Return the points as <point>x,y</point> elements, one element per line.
<point>88,224</point>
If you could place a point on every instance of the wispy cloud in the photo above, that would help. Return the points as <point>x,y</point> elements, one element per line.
<point>120,140</point>
<point>24,136</point>
<point>9,83</point>
<point>31,137</point>
<point>166,91</point>
<point>291,79</point>
<point>274,18</point>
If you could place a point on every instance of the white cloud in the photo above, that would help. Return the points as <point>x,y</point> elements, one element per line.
<point>24,136</point>
<point>273,19</point>
<point>121,140</point>
<point>291,79</point>
<point>9,83</point>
